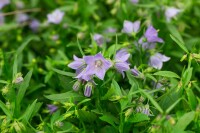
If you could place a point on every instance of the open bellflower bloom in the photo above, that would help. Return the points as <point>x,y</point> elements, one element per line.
<point>151,35</point>
<point>121,58</point>
<point>99,39</point>
<point>52,108</point>
<point>79,65</point>
<point>156,61</point>
<point>4,3</point>
<point>171,12</point>
<point>55,17</point>
<point>131,27</point>
<point>96,65</point>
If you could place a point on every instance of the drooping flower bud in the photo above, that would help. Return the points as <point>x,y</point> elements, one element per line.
<point>88,89</point>
<point>76,85</point>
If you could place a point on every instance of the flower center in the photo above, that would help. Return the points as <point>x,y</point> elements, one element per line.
<point>98,63</point>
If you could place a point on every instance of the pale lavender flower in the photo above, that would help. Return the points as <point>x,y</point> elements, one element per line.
<point>156,61</point>
<point>55,17</point>
<point>144,44</point>
<point>22,17</point>
<point>52,108</point>
<point>151,35</point>
<point>96,65</point>
<point>131,27</point>
<point>120,60</point>
<point>134,1</point>
<point>99,39</point>
<point>34,25</point>
<point>79,65</point>
<point>88,89</point>
<point>171,12</point>
<point>4,3</point>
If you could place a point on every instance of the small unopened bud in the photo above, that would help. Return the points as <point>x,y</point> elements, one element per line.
<point>184,57</point>
<point>59,124</point>
<point>76,85</point>
<point>19,126</point>
<point>18,79</point>
<point>141,99</point>
<point>68,114</point>
<point>115,98</point>
<point>88,89</point>
<point>52,108</point>
<point>128,112</point>
<point>196,57</point>
<point>5,90</point>
<point>135,72</point>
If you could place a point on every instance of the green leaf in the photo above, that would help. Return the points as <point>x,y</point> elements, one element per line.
<point>86,116</point>
<point>29,111</point>
<point>187,76</point>
<point>139,117</point>
<point>116,87</point>
<point>152,100</point>
<point>63,72</point>
<point>184,121</point>
<point>180,43</point>
<point>173,105</point>
<point>21,93</point>
<point>191,99</point>
<point>79,46</point>
<point>65,96</point>
<point>21,48</point>
<point>84,101</point>
<point>7,27</point>
<point>173,30</point>
<point>19,51</point>
<point>15,67</point>
<point>3,82</point>
<point>109,119</point>
<point>5,109</point>
<point>168,74</point>
<point>24,86</point>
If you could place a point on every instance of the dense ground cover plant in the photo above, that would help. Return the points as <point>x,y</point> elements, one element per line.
<point>99,66</point>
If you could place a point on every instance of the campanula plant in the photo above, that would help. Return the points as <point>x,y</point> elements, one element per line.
<point>112,66</point>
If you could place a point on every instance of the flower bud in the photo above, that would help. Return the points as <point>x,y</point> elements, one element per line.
<point>76,85</point>
<point>88,89</point>
<point>128,112</point>
<point>184,57</point>
<point>59,124</point>
<point>5,90</point>
<point>18,78</point>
